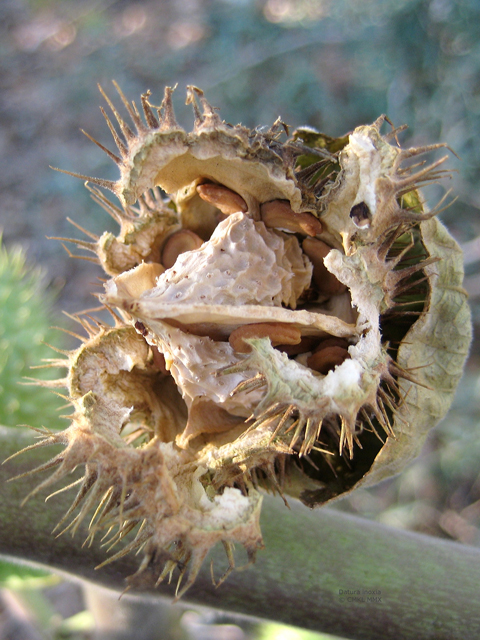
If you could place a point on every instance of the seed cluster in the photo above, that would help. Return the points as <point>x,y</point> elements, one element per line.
<point>276,307</point>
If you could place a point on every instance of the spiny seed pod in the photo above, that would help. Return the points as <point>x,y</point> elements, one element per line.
<point>307,328</point>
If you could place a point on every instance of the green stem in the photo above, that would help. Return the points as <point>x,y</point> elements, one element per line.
<point>428,586</point>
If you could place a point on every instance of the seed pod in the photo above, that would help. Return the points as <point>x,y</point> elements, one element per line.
<point>191,439</point>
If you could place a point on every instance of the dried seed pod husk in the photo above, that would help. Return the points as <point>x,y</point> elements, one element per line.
<point>143,231</point>
<point>179,429</point>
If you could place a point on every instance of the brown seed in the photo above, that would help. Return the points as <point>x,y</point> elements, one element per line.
<point>279,214</point>
<point>278,332</point>
<point>331,342</point>
<point>224,199</point>
<point>325,281</point>
<point>177,243</point>
<point>324,360</point>
<point>306,344</point>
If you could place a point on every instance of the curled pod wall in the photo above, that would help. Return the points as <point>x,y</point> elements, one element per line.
<point>288,316</point>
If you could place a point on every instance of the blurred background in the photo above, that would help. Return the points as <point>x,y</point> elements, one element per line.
<point>330,64</point>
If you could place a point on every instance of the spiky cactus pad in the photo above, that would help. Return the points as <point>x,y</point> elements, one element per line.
<point>290,317</point>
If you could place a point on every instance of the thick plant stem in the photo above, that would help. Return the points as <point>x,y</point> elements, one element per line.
<point>321,570</point>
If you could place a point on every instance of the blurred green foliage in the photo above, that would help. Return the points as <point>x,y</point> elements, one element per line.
<point>271,631</point>
<point>25,317</point>
<point>18,576</point>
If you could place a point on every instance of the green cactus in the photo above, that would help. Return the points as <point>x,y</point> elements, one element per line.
<point>25,320</point>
